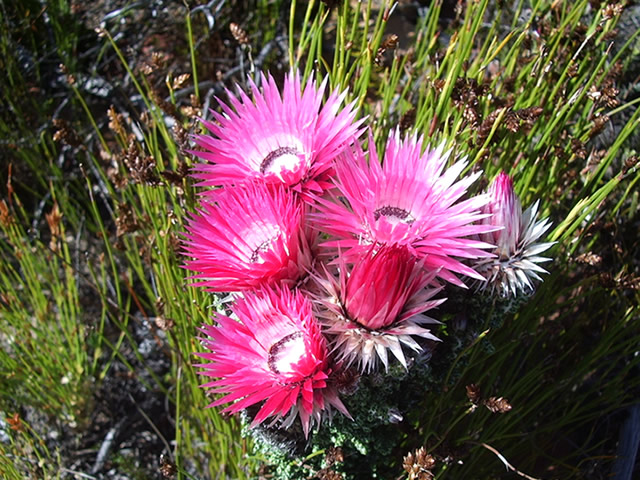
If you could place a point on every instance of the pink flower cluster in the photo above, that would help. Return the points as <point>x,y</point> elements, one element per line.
<point>334,253</point>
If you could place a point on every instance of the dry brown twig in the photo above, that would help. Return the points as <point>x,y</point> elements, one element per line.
<point>506,463</point>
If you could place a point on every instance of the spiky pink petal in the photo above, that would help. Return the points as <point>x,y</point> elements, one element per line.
<point>411,200</point>
<point>274,353</point>
<point>290,139</point>
<point>251,236</point>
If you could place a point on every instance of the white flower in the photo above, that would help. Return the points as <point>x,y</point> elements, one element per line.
<point>515,265</point>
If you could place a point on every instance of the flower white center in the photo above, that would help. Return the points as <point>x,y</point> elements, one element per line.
<point>394,215</point>
<point>285,354</point>
<point>281,159</point>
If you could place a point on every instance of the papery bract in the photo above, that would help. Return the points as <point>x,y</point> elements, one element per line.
<point>251,236</point>
<point>290,139</point>
<point>376,305</point>
<point>506,213</point>
<point>515,266</point>
<point>274,353</point>
<point>410,200</point>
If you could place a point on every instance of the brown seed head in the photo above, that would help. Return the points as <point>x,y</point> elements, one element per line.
<point>167,468</point>
<point>146,68</point>
<point>594,94</point>
<point>589,258</point>
<point>53,220</point>
<point>511,121</point>
<point>180,80</point>
<point>473,393</point>
<point>126,220</point>
<point>239,33</point>
<point>167,107</point>
<point>607,280</point>
<point>598,125</point>
<point>116,178</point>
<point>164,323</point>
<point>629,163</point>
<point>71,80</point>
<point>389,42</point>
<point>497,404</point>
<point>328,474</point>
<point>487,124</point>
<point>65,133</point>
<point>115,121</point>
<point>195,101</point>
<point>5,215</point>
<point>609,96</point>
<point>438,84</point>
<point>334,455</point>
<point>158,59</point>
<point>160,305</point>
<point>612,10</point>
<point>578,148</point>
<point>465,95</point>
<point>572,71</point>
<point>418,464</point>
<point>141,168</point>
<point>529,115</point>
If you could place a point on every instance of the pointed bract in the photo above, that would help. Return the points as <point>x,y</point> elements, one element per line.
<point>515,267</point>
<point>251,236</point>
<point>411,200</point>
<point>289,139</point>
<point>273,354</point>
<point>377,306</point>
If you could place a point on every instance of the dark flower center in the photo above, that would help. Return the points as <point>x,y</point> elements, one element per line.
<point>394,214</point>
<point>263,247</point>
<point>287,157</point>
<point>286,353</point>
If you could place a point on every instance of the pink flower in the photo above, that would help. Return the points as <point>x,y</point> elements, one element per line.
<point>410,200</point>
<point>251,236</point>
<point>274,354</point>
<point>290,139</point>
<point>377,305</point>
<point>515,265</point>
